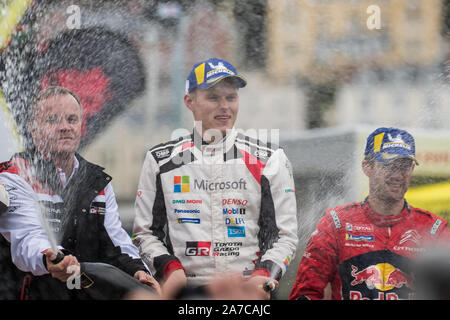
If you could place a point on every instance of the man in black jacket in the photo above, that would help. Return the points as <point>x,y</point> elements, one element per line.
<point>57,197</point>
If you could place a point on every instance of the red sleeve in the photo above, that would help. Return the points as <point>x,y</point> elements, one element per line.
<point>319,262</point>
<point>170,267</point>
<point>261,272</point>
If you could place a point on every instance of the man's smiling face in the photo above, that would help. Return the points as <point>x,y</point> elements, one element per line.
<point>389,181</point>
<point>216,107</point>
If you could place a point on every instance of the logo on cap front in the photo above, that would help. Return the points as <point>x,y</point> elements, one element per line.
<point>217,69</point>
<point>396,142</point>
<point>209,72</point>
<point>390,143</point>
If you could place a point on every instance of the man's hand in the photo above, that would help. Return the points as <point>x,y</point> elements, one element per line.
<point>173,284</point>
<point>234,287</point>
<point>147,279</point>
<point>258,283</point>
<point>60,270</point>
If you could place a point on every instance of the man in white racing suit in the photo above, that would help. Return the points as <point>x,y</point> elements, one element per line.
<point>215,202</point>
<point>52,183</point>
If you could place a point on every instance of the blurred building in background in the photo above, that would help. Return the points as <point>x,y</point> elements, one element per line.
<point>380,59</point>
<point>323,39</point>
<point>365,63</point>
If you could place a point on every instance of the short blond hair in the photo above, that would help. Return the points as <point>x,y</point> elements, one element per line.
<point>52,91</point>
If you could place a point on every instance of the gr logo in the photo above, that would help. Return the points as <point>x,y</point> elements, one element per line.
<point>198,248</point>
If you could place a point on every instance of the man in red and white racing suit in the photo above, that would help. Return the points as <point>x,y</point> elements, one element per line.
<point>365,255</point>
<point>365,250</point>
<point>213,208</point>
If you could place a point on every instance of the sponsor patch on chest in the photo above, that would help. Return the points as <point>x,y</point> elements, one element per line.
<point>97,208</point>
<point>359,237</point>
<point>359,227</point>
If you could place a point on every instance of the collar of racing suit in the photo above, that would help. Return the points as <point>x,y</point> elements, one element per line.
<point>384,220</point>
<point>222,146</point>
<point>65,180</point>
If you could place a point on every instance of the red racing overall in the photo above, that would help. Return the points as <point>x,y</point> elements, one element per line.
<point>365,255</point>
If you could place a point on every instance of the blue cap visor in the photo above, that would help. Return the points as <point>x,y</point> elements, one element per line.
<point>240,81</point>
<point>393,155</point>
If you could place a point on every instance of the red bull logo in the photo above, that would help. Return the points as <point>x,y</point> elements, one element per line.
<point>382,276</point>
